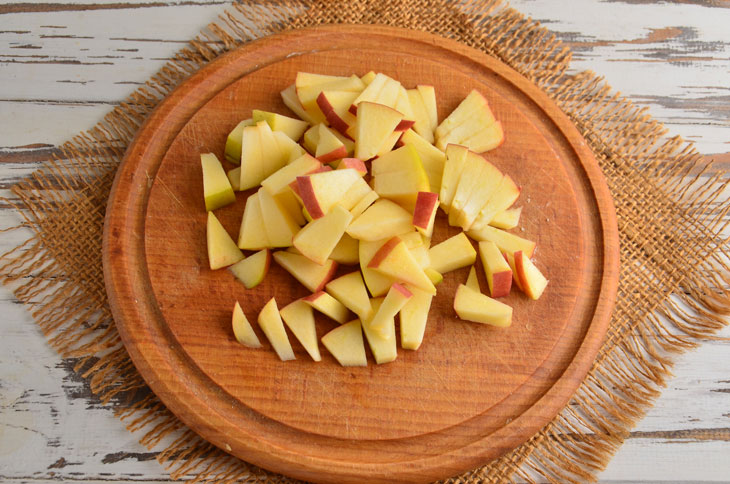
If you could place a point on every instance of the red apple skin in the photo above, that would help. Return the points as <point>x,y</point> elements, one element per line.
<point>404,125</point>
<point>330,274</point>
<point>383,252</point>
<point>332,117</point>
<point>501,284</point>
<point>356,163</point>
<point>426,203</point>
<point>309,199</point>
<point>313,297</point>
<point>406,293</point>
<point>353,109</point>
<point>340,152</point>
<point>518,278</point>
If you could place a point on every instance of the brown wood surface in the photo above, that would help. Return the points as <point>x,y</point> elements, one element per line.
<point>470,393</point>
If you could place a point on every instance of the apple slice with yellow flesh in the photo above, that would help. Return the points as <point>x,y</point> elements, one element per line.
<point>232,150</point>
<point>506,219</point>
<point>346,344</point>
<point>279,224</point>
<point>432,158</point>
<point>422,124</point>
<point>329,306</point>
<point>382,219</point>
<point>401,186</point>
<point>346,251</point>
<point>365,202</point>
<point>396,298</point>
<point>252,161</point>
<point>413,318</point>
<point>309,86</point>
<point>321,191</point>
<point>329,146</point>
<point>351,292</point>
<point>383,348</point>
<point>472,281</point>
<point>270,322</point>
<point>473,106</point>
<point>311,275</point>
<point>242,329</point>
<point>473,132</point>
<point>252,235</point>
<point>222,250</point>
<point>488,178</point>
<point>424,213</point>
<point>428,94</point>
<point>371,91</point>
<point>355,163</point>
<point>389,143</point>
<point>394,259</point>
<point>217,190</point>
<point>299,318</point>
<point>234,178</point>
<point>455,161</point>
<point>532,280</point>
<point>280,179</point>
<point>434,275</point>
<point>496,268</point>
<point>506,242</point>
<point>311,138</point>
<point>375,125</point>
<point>289,96</point>
<point>293,128</point>
<point>252,270</point>
<point>290,149</point>
<point>453,253</point>
<point>403,106</point>
<point>288,200</point>
<point>510,258</point>
<point>318,238</point>
<point>335,106</point>
<point>357,192</point>
<point>471,305</point>
<point>378,284</point>
<point>486,139</point>
<point>368,78</point>
<point>505,194</point>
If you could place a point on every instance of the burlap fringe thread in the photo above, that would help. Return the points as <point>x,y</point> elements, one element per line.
<point>674,263</point>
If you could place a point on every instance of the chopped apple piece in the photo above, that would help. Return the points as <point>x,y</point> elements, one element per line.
<point>290,149</point>
<point>432,158</point>
<point>222,250</point>
<point>395,260</point>
<point>368,78</point>
<point>310,274</point>
<point>506,241</point>
<point>485,139</point>
<point>424,214</point>
<point>270,322</point>
<point>383,348</point>
<point>233,142</point>
<point>346,251</point>
<point>452,253</point>
<point>371,91</point>
<point>242,329</point>
<point>455,161</point>
<point>428,94</point>
<point>401,185</point>
<point>309,87</point>
<point>311,138</point>
<point>533,282</point>
<point>335,105</point>
<point>329,306</point>
<point>479,182</point>
<point>354,163</point>
<point>434,275</point>
<point>346,344</point>
<point>422,124</point>
<point>364,203</point>
<point>503,197</point>
<point>421,255</point>
<point>318,238</point>
<point>396,298</point>
<point>252,270</point>
<point>474,306</point>
<point>375,124</point>
<point>234,178</point>
<point>321,191</point>
<point>496,268</point>
<point>252,235</point>
<point>382,219</point>
<point>289,96</point>
<point>329,146</point>
<point>470,117</point>
<point>403,106</point>
<point>288,200</point>
<point>278,181</point>
<point>378,284</point>
<point>299,317</point>
<point>217,190</point>
<point>293,128</point>
<point>357,192</point>
<point>510,258</point>
<point>472,281</point>
<point>390,143</point>
<point>279,224</point>
<point>505,220</point>
<point>413,318</point>
<point>350,291</point>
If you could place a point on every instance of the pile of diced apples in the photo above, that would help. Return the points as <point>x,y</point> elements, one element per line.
<point>362,189</point>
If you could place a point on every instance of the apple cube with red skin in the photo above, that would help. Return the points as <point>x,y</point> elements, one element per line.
<point>424,213</point>
<point>471,305</point>
<point>252,270</point>
<point>299,318</point>
<point>496,268</point>
<point>319,192</point>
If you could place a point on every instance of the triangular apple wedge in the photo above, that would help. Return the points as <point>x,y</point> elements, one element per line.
<point>222,250</point>
<point>382,345</point>
<point>319,192</point>
<point>217,190</point>
<point>252,270</point>
<point>270,322</point>
<point>413,318</point>
<point>252,235</point>
<point>242,329</point>
<point>311,275</point>
<point>346,344</point>
<point>299,318</point>
<point>318,238</point>
<point>351,292</point>
<point>382,219</point>
<point>375,124</point>
<point>471,305</point>
<point>395,260</point>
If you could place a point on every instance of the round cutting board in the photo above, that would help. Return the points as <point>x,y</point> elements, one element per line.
<point>470,393</point>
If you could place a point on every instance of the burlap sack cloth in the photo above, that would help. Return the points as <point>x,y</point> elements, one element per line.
<point>673,260</point>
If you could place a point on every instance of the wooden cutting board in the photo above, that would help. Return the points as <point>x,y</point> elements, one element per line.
<point>470,393</point>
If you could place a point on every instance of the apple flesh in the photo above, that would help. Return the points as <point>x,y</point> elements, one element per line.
<point>472,124</point>
<point>422,124</point>
<point>413,319</point>
<point>383,348</point>
<point>299,318</point>
<point>432,158</point>
<point>506,242</point>
<point>479,182</point>
<point>252,235</point>
<point>329,306</point>
<point>311,275</point>
<point>293,128</point>
<point>346,251</point>
<point>505,194</point>
<point>232,150</point>
<point>378,284</point>
<point>329,147</point>
<point>351,292</point>
<point>280,225</point>
<point>382,219</point>
<point>335,107</point>
<point>270,322</point>
<point>346,344</point>
<point>354,163</point>
<point>507,219</point>
<point>496,268</point>
<point>242,329</point>
<point>319,192</point>
<point>375,124</point>
<point>424,213</point>
<point>289,96</point>
<point>318,238</point>
<point>472,282</point>
<point>471,305</point>
<point>395,260</point>
<point>252,270</point>
<point>454,165</point>
<point>533,282</point>
<point>396,298</point>
<point>222,250</point>
<point>217,190</point>
<point>453,253</point>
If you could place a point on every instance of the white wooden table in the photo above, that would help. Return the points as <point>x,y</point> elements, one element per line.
<point>64,65</point>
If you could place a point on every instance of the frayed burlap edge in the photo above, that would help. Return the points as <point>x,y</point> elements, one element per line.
<point>673,260</point>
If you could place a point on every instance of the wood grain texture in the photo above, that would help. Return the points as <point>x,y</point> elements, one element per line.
<point>470,393</point>
<point>44,102</point>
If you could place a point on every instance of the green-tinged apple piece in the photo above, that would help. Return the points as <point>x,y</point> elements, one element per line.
<point>319,192</point>
<point>434,275</point>
<point>234,142</point>
<point>279,224</point>
<point>533,281</point>
<point>471,305</point>
<point>472,282</point>
<point>252,235</point>
<point>506,241</point>
<point>293,128</point>
<point>396,298</point>
<point>234,178</point>
<point>318,238</point>
<point>222,250</point>
<point>329,306</point>
<point>351,292</point>
<point>394,259</point>
<point>453,253</point>
<point>413,318</point>
<point>507,219</point>
<point>270,322</point>
<point>311,275</point>
<point>346,344</point>
<point>299,318</point>
<point>382,219</point>
<point>252,270</point>
<point>383,348</point>
<point>217,190</point>
<point>375,125</point>
<point>242,329</point>
<point>346,251</point>
<point>455,161</point>
<point>424,213</point>
<point>496,268</point>
<point>432,158</point>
